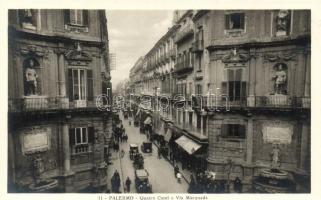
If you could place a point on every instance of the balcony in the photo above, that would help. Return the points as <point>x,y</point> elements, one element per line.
<point>41,103</point>
<point>172,53</point>
<point>185,32</point>
<point>183,67</point>
<point>264,102</point>
<point>198,46</point>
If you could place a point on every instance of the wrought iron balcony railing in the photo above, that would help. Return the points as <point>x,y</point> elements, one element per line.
<point>272,101</point>
<point>40,103</point>
<point>198,46</point>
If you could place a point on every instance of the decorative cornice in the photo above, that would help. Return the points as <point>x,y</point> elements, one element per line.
<point>235,57</point>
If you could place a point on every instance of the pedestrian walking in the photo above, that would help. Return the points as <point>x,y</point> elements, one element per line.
<point>128,183</point>
<point>179,177</point>
<point>176,170</point>
<point>159,152</point>
<point>122,153</point>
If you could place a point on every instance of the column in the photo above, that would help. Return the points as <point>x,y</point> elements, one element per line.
<point>61,72</point>
<point>249,142</point>
<point>66,149</point>
<point>305,147</point>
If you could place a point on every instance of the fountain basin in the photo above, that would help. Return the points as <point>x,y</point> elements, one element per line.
<point>44,185</point>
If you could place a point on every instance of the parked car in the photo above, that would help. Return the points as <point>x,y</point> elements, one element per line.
<point>133,151</point>
<point>146,147</point>
<point>141,181</point>
<point>138,161</point>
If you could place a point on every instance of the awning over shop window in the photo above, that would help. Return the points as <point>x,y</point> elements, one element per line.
<point>148,121</point>
<point>187,144</point>
<point>168,135</point>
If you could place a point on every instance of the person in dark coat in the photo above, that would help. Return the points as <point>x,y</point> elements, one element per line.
<point>191,188</point>
<point>238,185</point>
<point>128,182</point>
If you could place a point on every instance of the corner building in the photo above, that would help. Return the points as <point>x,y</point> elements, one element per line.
<point>58,65</point>
<point>246,82</point>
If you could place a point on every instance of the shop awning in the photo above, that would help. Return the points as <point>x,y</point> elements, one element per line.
<point>168,135</point>
<point>187,144</point>
<point>148,120</point>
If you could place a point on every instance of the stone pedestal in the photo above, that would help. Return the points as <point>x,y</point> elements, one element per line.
<point>278,100</point>
<point>35,102</point>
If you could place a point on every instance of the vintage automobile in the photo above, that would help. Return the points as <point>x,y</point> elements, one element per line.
<point>146,147</point>
<point>138,161</point>
<point>141,181</point>
<point>133,151</point>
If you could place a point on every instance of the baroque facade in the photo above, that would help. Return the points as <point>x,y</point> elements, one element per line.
<point>58,65</point>
<point>243,78</point>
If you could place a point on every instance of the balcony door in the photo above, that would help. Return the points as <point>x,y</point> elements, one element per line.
<point>80,83</point>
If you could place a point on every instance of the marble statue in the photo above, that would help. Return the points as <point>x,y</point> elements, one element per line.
<point>275,154</point>
<point>280,80</point>
<point>31,79</point>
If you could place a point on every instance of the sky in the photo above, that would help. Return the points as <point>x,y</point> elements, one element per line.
<point>132,33</point>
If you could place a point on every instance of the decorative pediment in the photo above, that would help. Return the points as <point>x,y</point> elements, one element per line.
<point>235,57</point>
<point>77,56</point>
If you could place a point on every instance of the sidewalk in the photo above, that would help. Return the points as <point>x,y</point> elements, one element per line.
<point>116,165</point>
<point>185,173</point>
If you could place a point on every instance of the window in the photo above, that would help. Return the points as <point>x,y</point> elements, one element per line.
<point>234,21</point>
<point>233,131</point>
<point>80,83</point>
<point>80,138</point>
<point>234,87</point>
<point>198,89</point>
<point>76,17</point>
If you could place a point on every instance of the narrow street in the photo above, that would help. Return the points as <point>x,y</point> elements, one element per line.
<point>161,172</point>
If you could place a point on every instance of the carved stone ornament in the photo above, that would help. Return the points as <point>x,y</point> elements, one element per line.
<point>279,57</point>
<point>33,50</point>
<point>235,57</point>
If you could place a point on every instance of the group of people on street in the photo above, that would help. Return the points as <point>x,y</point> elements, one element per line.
<point>203,184</point>
<point>119,134</point>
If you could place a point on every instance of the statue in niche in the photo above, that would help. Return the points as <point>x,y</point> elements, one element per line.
<point>28,18</point>
<point>280,79</point>
<point>31,77</point>
<point>283,21</point>
<point>275,154</point>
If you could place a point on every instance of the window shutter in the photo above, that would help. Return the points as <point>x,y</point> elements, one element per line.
<point>71,136</point>
<point>90,92</point>
<point>70,85</point>
<point>67,16</point>
<point>227,22</point>
<point>86,17</point>
<point>243,90</point>
<point>91,135</point>
<point>242,20</point>
<point>230,75</point>
<point>224,129</point>
<point>241,131</point>
<point>238,75</point>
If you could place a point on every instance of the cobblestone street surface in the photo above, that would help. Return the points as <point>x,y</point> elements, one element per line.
<point>161,172</point>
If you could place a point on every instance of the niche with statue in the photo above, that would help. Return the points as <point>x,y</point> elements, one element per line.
<point>279,96</point>
<point>32,87</point>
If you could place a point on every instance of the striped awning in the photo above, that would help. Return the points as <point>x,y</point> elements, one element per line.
<point>188,145</point>
<point>168,135</point>
<point>148,120</point>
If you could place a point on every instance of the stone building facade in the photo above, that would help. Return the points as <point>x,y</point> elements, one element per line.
<point>244,76</point>
<point>58,66</point>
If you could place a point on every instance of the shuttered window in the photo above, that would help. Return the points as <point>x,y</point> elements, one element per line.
<point>234,21</point>
<point>80,84</point>
<point>234,87</point>
<point>90,86</point>
<point>76,17</point>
